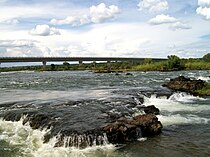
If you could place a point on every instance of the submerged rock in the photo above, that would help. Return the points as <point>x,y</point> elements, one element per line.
<point>184,84</point>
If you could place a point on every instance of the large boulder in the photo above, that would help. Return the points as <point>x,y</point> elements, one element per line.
<point>184,84</point>
<point>124,130</point>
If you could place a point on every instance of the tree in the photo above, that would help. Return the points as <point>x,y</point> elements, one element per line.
<point>66,63</point>
<point>175,63</point>
<point>147,60</point>
<point>206,57</point>
<point>52,67</point>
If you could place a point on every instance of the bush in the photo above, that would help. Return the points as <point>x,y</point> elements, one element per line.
<point>174,63</point>
<point>206,57</point>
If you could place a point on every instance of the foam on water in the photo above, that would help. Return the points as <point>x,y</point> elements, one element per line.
<point>179,119</point>
<point>179,108</point>
<point>204,78</point>
<point>176,102</point>
<point>30,142</point>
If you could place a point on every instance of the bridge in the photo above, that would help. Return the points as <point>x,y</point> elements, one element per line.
<point>44,60</point>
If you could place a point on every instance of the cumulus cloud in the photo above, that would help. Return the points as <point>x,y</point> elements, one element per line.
<point>44,30</point>
<point>71,20</point>
<point>97,14</point>
<point>204,3</point>
<point>153,5</point>
<point>204,9</point>
<point>101,12</point>
<point>162,19</point>
<point>179,25</point>
<point>175,24</point>
<point>23,48</point>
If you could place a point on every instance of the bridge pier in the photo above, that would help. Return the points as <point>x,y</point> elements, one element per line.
<point>108,66</point>
<point>44,64</point>
<point>80,62</point>
<point>94,64</point>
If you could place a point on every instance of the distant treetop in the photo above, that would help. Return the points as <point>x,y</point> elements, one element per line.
<point>206,57</point>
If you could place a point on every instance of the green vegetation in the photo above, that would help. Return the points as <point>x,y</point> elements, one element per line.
<point>205,90</point>
<point>206,57</point>
<point>173,63</point>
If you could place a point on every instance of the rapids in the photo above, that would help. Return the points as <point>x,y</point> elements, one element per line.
<point>65,96</point>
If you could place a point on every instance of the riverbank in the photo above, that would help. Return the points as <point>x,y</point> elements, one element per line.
<point>173,63</point>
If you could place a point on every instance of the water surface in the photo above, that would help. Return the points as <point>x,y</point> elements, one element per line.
<point>185,118</point>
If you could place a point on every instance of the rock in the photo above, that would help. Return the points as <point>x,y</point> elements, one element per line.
<point>128,74</point>
<point>91,122</point>
<point>39,121</point>
<point>125,130</point>
<point>184,84</point>
<point>151,110</point>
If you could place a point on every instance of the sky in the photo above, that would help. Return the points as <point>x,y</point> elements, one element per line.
<point>104,28</point>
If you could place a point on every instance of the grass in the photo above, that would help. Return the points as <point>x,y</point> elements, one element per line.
<point>205,90</point>
<point>156,66</point>
<point>199,65</point>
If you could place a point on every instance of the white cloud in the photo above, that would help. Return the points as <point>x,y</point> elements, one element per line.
<point>204,12</point>
<point>17,43</point>
<point>153,5</point>
<point>10,21</point>
<point>204,9</point>
<point>179,25</point>
<point>101,12</point>
<point>162,19</point>
<point>97,14</point>
<point>175,24</point>
<point>109,39</point>
<point>71,20</point>
<point>204,3</point>
<point>44,30</point>
<point>23,48</point>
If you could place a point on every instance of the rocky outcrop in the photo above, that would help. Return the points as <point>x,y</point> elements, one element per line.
<point>184,84</point>
<point>124,130</point>
<point>89,122</point>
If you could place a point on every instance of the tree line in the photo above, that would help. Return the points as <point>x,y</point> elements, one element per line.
<point>173,63</point>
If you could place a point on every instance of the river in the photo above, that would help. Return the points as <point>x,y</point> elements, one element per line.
<point>68,95</point>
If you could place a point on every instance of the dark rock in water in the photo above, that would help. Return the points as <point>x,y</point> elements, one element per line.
<point>125,130</point>
<point>87,122</point>
<point>151,110</point>
<point>184,84</point>
<point>39,121</point>
<point>128,74</point>
<point>149,123</point>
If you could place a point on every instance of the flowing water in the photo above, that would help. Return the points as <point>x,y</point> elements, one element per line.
<point>68,96</point>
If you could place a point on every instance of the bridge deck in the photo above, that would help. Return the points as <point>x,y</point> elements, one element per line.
<point>63,59</point>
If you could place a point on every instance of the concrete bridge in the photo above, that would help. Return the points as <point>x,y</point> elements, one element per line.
<point>44,60</point>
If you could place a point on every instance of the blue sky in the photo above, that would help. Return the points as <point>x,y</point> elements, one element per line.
<point>122,28</point>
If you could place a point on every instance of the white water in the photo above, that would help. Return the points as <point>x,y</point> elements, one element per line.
<point>179,102</point>
<point>204,78</point>
<point>31,142</point>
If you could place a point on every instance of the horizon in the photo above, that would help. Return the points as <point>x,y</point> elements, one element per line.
<point>117,28</point>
